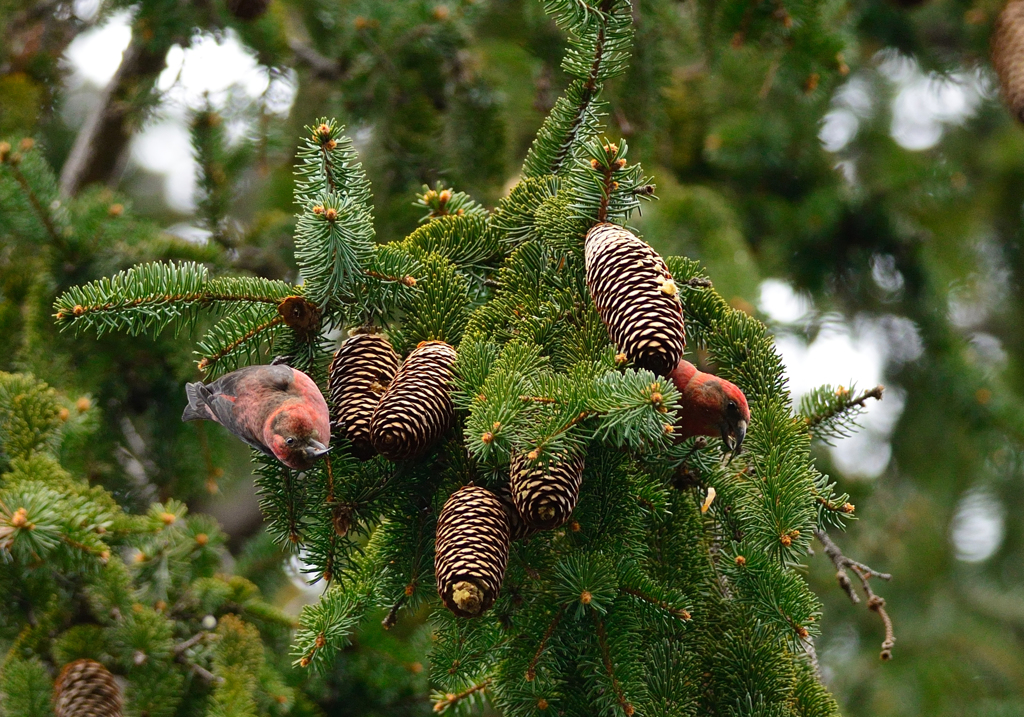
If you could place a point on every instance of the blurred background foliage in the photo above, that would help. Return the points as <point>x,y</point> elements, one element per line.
<point>850,177</point>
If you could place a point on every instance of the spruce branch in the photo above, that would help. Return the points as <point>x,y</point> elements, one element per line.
<point>604,186</point>
<point>831,412</point>
<point>231,338</point>
<point>149,297</point>
<point>12,161</point>
<point>531,671</point>
<point>660,604</point>
<point>606,657</point>
<point>864,573</point>
<point>451,699</point>
<point>334,237</point>
<point>443,202</point>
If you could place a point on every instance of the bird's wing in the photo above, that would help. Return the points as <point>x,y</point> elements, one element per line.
<point>218,399</point>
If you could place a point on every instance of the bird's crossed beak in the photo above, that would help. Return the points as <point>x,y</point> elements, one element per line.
<point>315,450</point>
<point>733,436</point>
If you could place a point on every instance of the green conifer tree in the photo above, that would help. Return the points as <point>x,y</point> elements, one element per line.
<point>660,596</point>
<point>143,595</point>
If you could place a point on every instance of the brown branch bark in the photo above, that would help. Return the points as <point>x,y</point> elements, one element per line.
<point>864,573</point>
<point>99,148</point>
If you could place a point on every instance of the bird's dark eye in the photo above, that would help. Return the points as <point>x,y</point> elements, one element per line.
<point>732,405</point>
<point>290,441</point>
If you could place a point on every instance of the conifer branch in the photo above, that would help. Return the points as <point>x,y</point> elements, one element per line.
<point>832,412</point>
<point>452,699</point>
<point>191,642</point>
<point>844,508</point>
<point>12,160</point>
<point>864,573</point>
<point>582,416</point>
<point>674,611</point>
<point>391,619</point>
<point>602,637</point>
<point>410,588</point>
<point>209,361</point>
<point>201,297</point>
<point>406,280</point>
<point>531,671</point>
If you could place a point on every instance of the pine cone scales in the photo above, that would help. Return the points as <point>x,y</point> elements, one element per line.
<point>471,551</point>
<point>545,495</point>
<point>417,407</point>
<point>1008,55</point>
<point>85,688</point>
<point>362,368</point>
<point>636,298</point>
<point>518,528</point>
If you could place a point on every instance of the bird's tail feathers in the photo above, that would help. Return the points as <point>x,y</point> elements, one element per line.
<point>196,410</point>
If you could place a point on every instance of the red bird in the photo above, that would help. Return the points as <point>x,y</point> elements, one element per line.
<point>274,408</point>
<point>710,406</point>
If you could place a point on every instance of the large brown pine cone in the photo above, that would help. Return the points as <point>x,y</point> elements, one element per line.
<point>362,368</point>
<point>417,408</point>
<point>1008,55</point>
<point>471,551</point>
<point>545,494</point>
<point>85,688</point>
<point>636,298</point>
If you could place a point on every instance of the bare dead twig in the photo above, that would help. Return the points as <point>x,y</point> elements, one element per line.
<point>864,573</point>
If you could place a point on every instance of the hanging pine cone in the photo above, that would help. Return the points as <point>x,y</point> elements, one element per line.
<point>359,374</point>
<point>248,9</point>
<point>417,407</point>
<point>636,298</point>
<point>545,495</point>
<point>471,551</point>
<point>85,688</point>
<point>1008,55</point>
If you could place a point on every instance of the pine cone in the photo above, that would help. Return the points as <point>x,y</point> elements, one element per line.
<point>85,688</point>
<point>417,408</point>
<point>545,495</point>
<point>1008,55</point>
<point>248,9</point>
<point>636,298</point>
<point>517,527</point>
<point>471,551</point>
<point>361,370</point>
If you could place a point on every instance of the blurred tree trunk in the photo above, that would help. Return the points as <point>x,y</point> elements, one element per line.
<point>98,152</point>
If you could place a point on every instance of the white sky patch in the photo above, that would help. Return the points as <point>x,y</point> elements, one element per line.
<point>837,129</point>
<point>213,67</point>
<point>164,148</point>
<point>851,103</point>
<point>844,354</point>
<point>926,103</point>
<point>781,303</point>
<point>222,69</point>
<point>96,53</point>
<point>86,9</point>
<point>978,526</point>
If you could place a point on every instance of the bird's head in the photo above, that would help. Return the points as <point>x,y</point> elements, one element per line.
<point>710,406</point>
<point>295,437</point>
